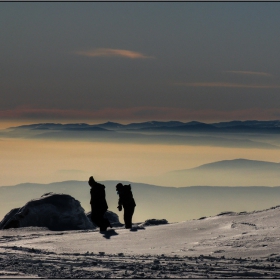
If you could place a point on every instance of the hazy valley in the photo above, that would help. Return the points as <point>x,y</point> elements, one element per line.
<point>173,204</point>
<point>178,171</point>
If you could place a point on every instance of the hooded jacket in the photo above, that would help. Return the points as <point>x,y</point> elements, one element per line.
<point>98,197</point>
<point>125,196</point>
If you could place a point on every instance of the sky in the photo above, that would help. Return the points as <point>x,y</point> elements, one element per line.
<point>125,62</point>
<point>130,62</point>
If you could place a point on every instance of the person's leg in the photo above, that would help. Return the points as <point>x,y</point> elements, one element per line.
<point>107,222</point>
<point>95,219</point>
<point>98,219</point>
<point>104,223</point>
<point>131,212</point>
<point>125,216</point>
<point>103,227</point>
<point>128,213</point>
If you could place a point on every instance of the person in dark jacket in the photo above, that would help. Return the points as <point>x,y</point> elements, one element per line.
<point>126,201</point>
<point>98,204</point>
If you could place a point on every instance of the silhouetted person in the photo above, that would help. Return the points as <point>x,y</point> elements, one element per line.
<point>126,201</point>
<point>98,204</point>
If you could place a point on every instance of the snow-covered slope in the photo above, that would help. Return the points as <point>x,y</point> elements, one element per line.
<point>232,234</point>
<point>228,244</point>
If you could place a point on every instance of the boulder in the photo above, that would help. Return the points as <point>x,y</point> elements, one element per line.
<point>53,211</point>
<point>154,222</point>
<point>111,216</point>
<point>8,217</point>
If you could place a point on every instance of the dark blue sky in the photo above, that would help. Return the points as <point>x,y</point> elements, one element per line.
<point>139,61</point>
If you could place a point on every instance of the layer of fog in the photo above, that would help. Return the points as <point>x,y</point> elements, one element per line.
<point>214,139</point>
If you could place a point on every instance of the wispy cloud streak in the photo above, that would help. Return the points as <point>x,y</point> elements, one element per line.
<point>226,85</point>
<point>250,73</point>
<point>103,52</point>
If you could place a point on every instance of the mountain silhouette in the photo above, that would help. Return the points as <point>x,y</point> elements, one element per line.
<point>171,126</point>
<point>240,164</point>
<point>236,172</point>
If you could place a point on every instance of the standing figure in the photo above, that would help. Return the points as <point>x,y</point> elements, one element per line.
<point>126,201</point>
<point>98,204</point>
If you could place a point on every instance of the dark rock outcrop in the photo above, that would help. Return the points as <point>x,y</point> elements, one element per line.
<point>154,222</point>
<point>54,211</point>
<point>8,217</point>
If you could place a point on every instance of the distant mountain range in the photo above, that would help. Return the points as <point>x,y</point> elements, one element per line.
<point>232,126</point>
<point>236,134</point>
<point>236,172</point>
<point>173,204</point>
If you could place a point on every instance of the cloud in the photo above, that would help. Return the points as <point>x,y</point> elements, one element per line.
<point>147,113</point>
<point>112,53</point>
<point>250,73</point>
<point>226,85</point>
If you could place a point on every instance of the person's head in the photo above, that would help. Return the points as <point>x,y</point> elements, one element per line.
<point>119,186</point>
<point>91,181</point>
